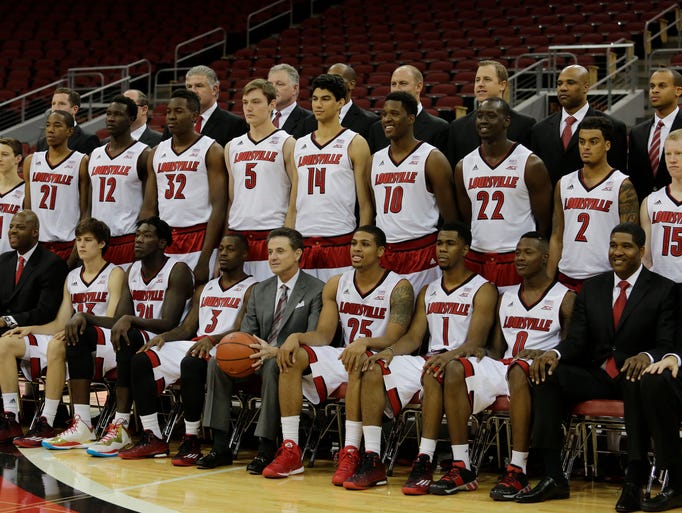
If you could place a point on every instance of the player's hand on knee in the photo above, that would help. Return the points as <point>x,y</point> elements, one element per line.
<point>529,354</point>
<point>119,332</point>
<point>436,364</point>
<point>386,355</point>
<point>286,356</point>
<point>201,348</point>
<point>635,366</point>
<point>543,366</point>
<point>354,355</point>
<point>20,331</point>
<point>74,328</point>
<point>157,341</point>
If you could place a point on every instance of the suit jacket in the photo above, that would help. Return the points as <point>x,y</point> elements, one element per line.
<point>356,119</point>
<point>648,323</point>
<point>300,314</point>
<point>428,128</point>
<point>295,123</point>
<point>545,141</point>
<point>463,138</point>
<point>37,296</point>
<point>80,140</point>
<point>151,137</point>
<point>639,165</point>
<point>223,126</point>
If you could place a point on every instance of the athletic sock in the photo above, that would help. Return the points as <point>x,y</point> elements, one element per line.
<point>353,433</point>
<point>427,446</point>
<point>520,459</point>
<point>372,438</point>
<point>151,423</point>
<point>50,410</point>
<point>290,428</point>
<point>11,403</point>
<point>460,452</point>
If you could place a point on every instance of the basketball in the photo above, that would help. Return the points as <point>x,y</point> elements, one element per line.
<point>232,354</point>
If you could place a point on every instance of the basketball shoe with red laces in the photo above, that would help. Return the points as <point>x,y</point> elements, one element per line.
<point>349,459</point>
<point>457,479</point>
<point>287,461</point>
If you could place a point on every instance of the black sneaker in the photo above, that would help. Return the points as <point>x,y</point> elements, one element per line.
<point>258,464</point>
<point>371,472</point>
<point>189,452</point>
<point>512,482</point>
<point>458,478</point>
<point>420,477</point>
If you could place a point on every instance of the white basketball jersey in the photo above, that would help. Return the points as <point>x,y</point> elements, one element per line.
<point>148,295</point>
<point>406,209</point>
<point>10,203</point>
<point>182,183</point>
<point>666,234</point>
<point>55,195</point>
<point>531,326</point>
<point>261,184</point>
<point>93,297</point>
<point>116,187</point>
<point>589,216</point>
<point>218,308</point>
<point>448,312</point>
<point>500,203</point>
<point>325,199</point>
<point>364,316</point>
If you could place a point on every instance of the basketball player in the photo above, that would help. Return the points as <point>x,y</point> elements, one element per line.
<point>93,287</point>
<point>661,216</point>
<point>457,311</point>
<point>118,174</point>
<point>58,187</point>
<point>588,203</point>
<point>153,299</point>
<point>11,186</point>
<point>259,167</point>
<point>217,309</point>
<point>374,307</point>
<point>330,172</point>
<point>412,185</point>
<point>503,191</point>
<point>188,183</point>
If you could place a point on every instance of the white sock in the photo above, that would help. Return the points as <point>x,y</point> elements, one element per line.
<point>520,459</point>
<point>83,411</point>
<point>372,438</point>
<point>192,427</point>
<point>50,410</point>
<point>353,433</point>
<point>427,446</point>
<point>151,422</point>
<point>461,453</point>
<point>290,428</point>
<point>124,417</point>
<point>11,403</point>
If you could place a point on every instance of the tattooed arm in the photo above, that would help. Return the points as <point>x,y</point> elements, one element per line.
<point>628,206</point>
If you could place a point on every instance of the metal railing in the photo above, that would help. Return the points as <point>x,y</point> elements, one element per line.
<point>210,35</point>
<point>288,11</point>
<point>28,105</point>
<point>664,53</point>
<point>662,19</point>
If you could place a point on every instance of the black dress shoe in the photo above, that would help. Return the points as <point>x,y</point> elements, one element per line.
<point>258,464</point>
<point>668,498</point>
<point>215,459</point>
<point>630,498</point>
<point>546,490</point>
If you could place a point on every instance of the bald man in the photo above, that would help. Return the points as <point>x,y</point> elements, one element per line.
<point>353,117</point>
<point>547,135</point>
<point>427,127</point>
<point>139,129</point>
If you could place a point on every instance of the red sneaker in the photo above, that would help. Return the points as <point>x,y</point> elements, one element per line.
<point>458,479</point>
<point>371,472</point>
<point>189,452</point>
<point>349,459</point>
<point>9,428</point>
<point>148,447</point>
<point>287,461</point>
<point>420,477</point>
<point>35,436</point>
<point>512,482</point>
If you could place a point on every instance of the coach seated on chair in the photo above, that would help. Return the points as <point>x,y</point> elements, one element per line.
<point>622,321</point>
<point>31,277</point>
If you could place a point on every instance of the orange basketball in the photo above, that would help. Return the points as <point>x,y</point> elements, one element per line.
<point>232,354</point>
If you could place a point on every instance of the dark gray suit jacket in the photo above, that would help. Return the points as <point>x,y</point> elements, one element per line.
<point>427,128</point>
<point>295,123</point>
<point>356,119</point>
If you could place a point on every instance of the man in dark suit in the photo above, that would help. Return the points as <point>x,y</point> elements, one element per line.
<point>665,89</point>
<point>139,129</point>
<point>216,123</point>
<point>352,117</point>
<point>555,138</point>
<point>288,114</point>
<point>289,302</point>
<point>491,81</point>
<point>79,140</point>
<point>427,127</point>
<point>622,321</point>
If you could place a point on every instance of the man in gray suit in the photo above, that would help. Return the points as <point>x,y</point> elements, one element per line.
<point>288,302</point>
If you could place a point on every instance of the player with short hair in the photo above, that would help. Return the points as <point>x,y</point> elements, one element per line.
<point>259,167</point>
<point>11,186</point>
<point>588,203</point>
<point>187,181</point>
<point>93,287</point>
<point>330,169</point>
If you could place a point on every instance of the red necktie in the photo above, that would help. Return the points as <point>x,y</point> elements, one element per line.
<point>20,269</point>
<point>567,133</point>
<point>619,305</point>
<point>655,148</point>
<point>198,123</point>
<point>275,120</point>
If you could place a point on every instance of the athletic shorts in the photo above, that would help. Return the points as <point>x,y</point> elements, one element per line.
<point>62,249</point>
<point>120,250</point>
<point>414,259</point>
<point>572,283</point>
<point>402,381</point>
<point>327,373</point>
<point>257,263</point>
<point>324,257</point>
<point>187,244</point>
<point>34,361</point>
<point>166,361</point>
<point>498,268</point>
<point>105,355</point>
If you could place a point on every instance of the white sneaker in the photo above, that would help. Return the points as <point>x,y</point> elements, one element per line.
<point>78,436</point>
<point>115,439</point>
